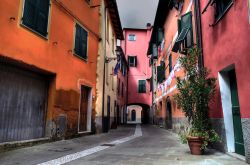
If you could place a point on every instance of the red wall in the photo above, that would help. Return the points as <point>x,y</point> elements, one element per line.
<point>142,71</point>
<point>225,44</point>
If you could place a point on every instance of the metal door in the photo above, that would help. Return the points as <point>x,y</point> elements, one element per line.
<point>23,97</point>
<point>238,135</point>
<point>83,109</point>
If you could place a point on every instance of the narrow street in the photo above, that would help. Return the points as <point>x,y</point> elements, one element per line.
<point>126,145</point>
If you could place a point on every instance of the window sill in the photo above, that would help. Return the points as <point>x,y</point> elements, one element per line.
<point>35,32</point>
<point>223,14</point>
<point>84,59</point>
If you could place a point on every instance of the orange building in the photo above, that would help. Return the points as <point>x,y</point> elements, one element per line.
<point>48,56</point>
<point>168,40</point>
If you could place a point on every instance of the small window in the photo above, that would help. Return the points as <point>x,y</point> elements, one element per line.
<point>131,37</point>
<point>118,87</point>
<point>142,86</point>
<point>35,15</point>
<point>132,60</point>
<point>122,89</point>
<point>81,42</point>
<point>170,63</point>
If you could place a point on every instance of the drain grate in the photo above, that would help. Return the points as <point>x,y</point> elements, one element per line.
<point>60,149</point>
<point>110,145</point>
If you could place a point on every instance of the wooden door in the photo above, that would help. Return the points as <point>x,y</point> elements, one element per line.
<point>83,109</point>
<point>23,100</point>
<point>238,135</point>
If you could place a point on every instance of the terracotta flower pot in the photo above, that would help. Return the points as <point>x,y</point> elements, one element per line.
<point>195,144</point>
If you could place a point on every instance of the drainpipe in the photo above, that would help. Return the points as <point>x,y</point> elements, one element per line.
<point>104,69</point>
<point>198,31</point>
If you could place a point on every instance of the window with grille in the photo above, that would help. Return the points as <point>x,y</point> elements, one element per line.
<point>142,86</point>
<point>131,37</point>
<point>35,15</point>
<point>132,60</point>
<point>81,42</point>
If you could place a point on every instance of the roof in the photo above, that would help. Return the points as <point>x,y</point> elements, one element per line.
<point>160,18</point>
<point>115,18</point>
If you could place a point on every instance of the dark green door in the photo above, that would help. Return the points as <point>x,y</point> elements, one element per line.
<point>238,135</point>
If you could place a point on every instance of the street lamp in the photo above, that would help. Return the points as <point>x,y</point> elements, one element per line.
<point>118,56</point>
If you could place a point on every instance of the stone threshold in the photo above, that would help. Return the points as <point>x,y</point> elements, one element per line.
<point>237,156</point>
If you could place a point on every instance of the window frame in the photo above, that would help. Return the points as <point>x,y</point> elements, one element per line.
<point>33,30</point>
<point>134,61</point>
<point>87,42</point>
<point>129,37</point>
<point>144,87</point>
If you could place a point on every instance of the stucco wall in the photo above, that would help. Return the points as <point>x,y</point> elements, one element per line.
<point>54,54</point>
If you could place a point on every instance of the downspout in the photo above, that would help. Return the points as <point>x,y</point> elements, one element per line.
<point>198,31</point>
<point>104,69</point>
<point>127,74</point>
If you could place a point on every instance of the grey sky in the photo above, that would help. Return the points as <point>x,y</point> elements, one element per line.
<point>137,13</point>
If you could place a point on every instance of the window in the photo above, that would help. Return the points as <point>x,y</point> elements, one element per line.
<point>160,74</point>
<point>132,60</point>
<point>118,87</point>
<point>131,37</point>
<point>122,89</point>
<point>142,86</point>
<point>221,8</point>
<point>81,42</point>
<point>185,34</point>
<point>170,63</point>
<point>35,16</point>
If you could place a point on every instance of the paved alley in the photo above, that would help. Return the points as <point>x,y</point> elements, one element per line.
<point>126,145</point>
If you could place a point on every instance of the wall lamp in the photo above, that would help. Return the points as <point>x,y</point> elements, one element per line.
<point>118,56</point>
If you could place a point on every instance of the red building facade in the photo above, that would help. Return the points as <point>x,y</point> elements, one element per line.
<point>226,47</point>
<point>138,90</point>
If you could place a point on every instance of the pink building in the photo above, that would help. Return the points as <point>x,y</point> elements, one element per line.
<point>139,93</point>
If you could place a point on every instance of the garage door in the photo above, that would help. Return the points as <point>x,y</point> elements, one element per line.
<point>22,104</point>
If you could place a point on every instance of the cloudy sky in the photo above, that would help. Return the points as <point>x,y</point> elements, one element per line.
<point>137,13</point>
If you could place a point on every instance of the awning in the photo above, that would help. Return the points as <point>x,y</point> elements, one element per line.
<point>180,38</point>
<point>210,2</point>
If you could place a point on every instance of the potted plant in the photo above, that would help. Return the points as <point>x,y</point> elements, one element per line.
<point>195,91</point>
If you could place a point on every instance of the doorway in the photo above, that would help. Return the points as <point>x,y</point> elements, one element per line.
<point>169,115</point>
<point>133,115</point>
<point>84,108</point>
<point>231,110</point>
<point>238,134</point>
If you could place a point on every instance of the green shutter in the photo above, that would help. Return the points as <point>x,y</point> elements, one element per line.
<point>35,15</point>
<point>170,62</point>
<point>155,51</point>
<point>135,58</point>
<point>160,35</point>
<point>77,39</point>
<point>160,74</point>
<point>179,26</point>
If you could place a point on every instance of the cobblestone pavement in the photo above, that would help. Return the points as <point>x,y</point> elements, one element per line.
<point>149,145</point>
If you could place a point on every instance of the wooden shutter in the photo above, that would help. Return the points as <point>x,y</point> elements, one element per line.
<point>170,62</point>
<point>186,22</point>
<point>35,15</point>
<point>135,58</point>
<point>77,40</point>
<point>84,42</point>
<point>42,16</point>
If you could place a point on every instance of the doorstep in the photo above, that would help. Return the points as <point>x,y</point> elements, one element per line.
<point>6,146</point>
<point>237,156</point>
